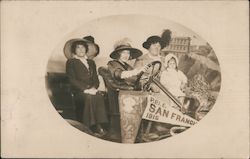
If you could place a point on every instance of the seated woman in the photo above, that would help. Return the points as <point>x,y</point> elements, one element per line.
<point>119,67</point>
<point>124,74</point>
<point>93,51</point>
<point>84,82</point>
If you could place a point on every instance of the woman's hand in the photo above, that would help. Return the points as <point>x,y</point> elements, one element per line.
<point>145,68</point>
<point>127,74</point>
<point>91,91</point>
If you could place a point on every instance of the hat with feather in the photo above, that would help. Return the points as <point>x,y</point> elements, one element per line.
<point>164,39</point>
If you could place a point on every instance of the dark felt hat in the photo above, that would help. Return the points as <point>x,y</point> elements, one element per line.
<point>153,40</point>
<point>134,53</point>
<point>89,40</point>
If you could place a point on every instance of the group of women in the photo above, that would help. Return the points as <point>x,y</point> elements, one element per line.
<point>81,70</point>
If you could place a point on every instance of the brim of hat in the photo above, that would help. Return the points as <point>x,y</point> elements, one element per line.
<point>134,53</point>
<point>147,44</point>
<point>67,47</point>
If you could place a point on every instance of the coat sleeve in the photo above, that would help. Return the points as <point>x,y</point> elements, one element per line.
<point>72,77</point>
<point>95,76</point>
<point>115,70</point>
<point>119,73</point>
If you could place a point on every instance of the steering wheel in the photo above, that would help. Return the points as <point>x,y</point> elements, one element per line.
<point>149,76</point>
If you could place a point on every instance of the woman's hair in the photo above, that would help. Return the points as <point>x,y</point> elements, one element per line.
<point>154,42</point>
<point>74,45</point>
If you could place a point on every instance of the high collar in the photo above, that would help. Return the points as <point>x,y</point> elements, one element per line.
<point>81,58</point>
<point>84,60</point>
<point>158,57</point>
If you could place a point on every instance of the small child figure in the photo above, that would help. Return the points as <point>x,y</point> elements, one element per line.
<point>173,79</point>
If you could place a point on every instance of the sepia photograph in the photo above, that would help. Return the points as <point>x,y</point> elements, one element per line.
<point>136,84</point>
<point>125,79</point>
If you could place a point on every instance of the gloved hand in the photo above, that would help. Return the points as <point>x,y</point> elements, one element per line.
<point>145,68</point>
<point>91,91</point>
<point>127,74</point>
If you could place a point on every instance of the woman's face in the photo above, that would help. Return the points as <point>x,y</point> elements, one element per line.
<point>172,63</point>
<point>80,51</point>
<point>155,49</point>
<point>124,55</point>
<point>92,52</point>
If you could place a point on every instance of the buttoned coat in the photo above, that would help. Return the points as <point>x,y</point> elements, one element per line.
<point>80,76</point>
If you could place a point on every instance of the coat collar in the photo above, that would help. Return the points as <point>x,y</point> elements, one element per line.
<point>84,61</point>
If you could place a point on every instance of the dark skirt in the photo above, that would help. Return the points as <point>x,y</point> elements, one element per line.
<point>94,110</point>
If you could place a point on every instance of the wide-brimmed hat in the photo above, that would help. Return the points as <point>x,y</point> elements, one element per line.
<point>151,40</point>
<point>134,53</point>
<point>89,40</point>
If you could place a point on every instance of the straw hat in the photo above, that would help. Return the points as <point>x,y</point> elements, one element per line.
<point>122,45</point>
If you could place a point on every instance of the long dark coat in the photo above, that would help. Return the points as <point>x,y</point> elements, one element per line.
<point>116,68</point>
<point>82,78</point>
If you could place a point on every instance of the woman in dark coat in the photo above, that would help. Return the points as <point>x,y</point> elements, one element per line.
<point>84,82</point>
<point>125,75</point>
<point>121,71</point>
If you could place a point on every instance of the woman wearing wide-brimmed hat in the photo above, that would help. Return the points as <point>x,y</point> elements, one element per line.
<point>93,48</point>
<point>154,45</point>
<point>119,67</point>
<point>84,83</point>
<point>124,74</point>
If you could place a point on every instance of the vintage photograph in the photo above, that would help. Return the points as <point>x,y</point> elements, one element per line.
<point>124,79</point>
<point>119,80</point>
